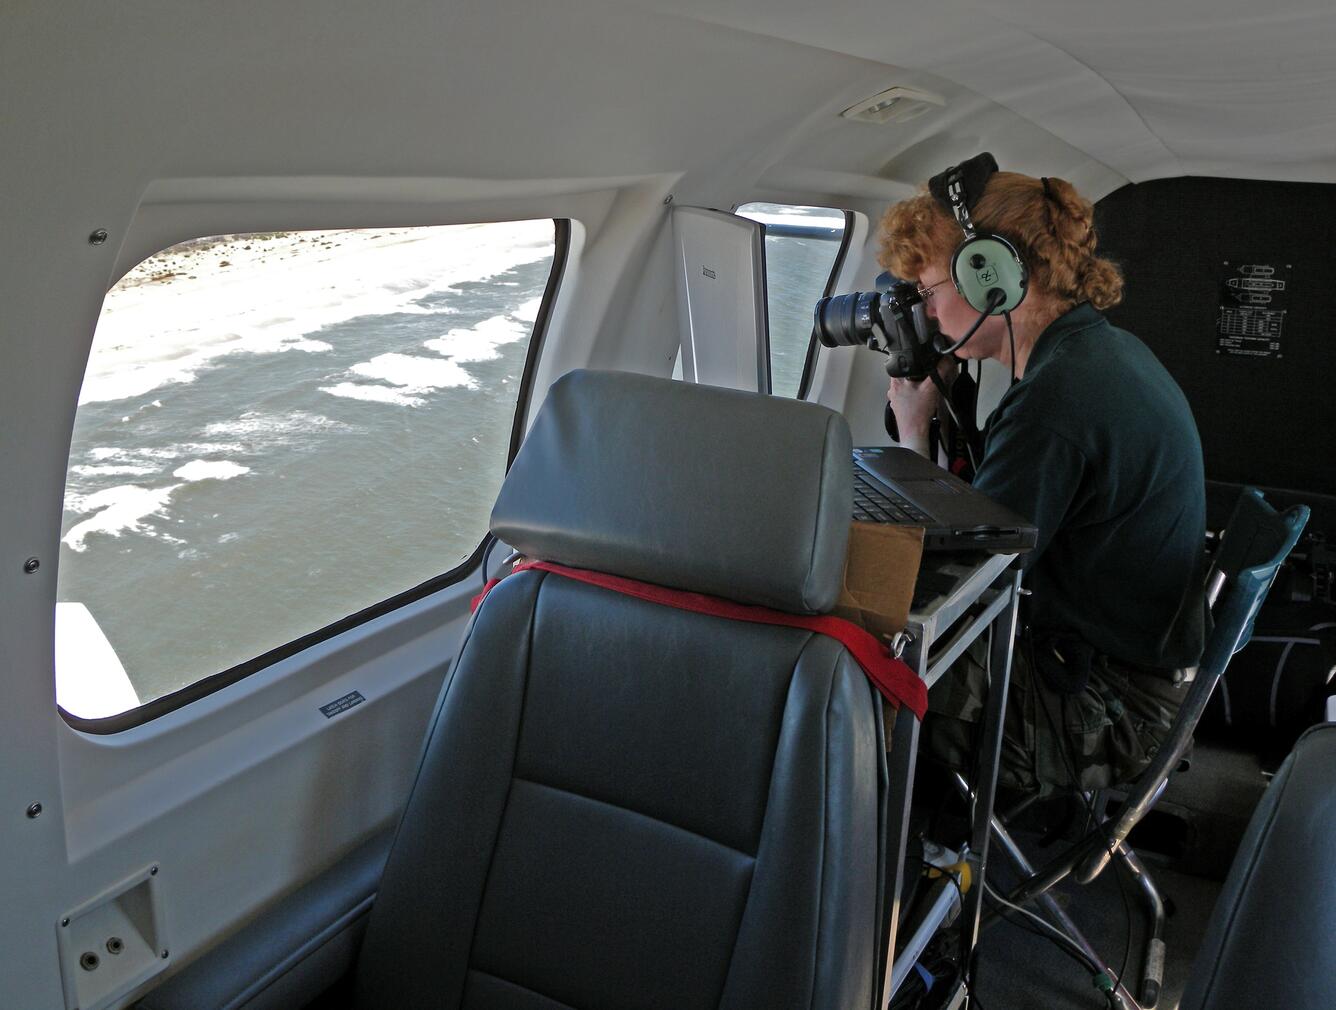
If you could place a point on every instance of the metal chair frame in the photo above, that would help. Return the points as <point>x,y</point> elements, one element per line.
<point>1252,547</point>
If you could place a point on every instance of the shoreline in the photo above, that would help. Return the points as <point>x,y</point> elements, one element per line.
<point>267,292</point>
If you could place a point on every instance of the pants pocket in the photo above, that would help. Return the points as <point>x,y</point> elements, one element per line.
<point>1089,729</point>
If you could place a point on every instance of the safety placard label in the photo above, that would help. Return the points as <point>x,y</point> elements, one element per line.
<point>341,705</point>
<point>1253,300</point>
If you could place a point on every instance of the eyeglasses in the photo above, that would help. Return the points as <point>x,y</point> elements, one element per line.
<point>927,293</point>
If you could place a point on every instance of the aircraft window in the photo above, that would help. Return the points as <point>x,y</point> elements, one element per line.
<point>277,432</point>
<point>802,247</point>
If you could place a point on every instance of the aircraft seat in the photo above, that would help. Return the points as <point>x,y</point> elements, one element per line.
<point>622,803</point>
<point>628,804</point>
<point>1269,939</point>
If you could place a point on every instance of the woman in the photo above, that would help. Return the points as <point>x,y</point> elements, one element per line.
<point>1096,444</point>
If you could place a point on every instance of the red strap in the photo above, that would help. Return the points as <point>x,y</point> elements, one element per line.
<point>473,603</point>
<point>897,683</point>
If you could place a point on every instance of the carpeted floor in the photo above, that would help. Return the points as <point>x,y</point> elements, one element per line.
<point>1017,970</point>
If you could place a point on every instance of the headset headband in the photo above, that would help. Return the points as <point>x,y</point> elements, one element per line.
<point>959,188</point>
<point>955,191</point>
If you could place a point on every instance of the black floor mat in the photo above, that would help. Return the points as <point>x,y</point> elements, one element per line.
<point>1019,971</point>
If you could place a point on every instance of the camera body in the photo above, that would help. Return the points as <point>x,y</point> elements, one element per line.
<point>892,320</point>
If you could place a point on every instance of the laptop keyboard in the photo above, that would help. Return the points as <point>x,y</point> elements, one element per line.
<point>876,503</point>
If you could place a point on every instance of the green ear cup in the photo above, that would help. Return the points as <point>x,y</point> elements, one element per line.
<point>985,263</point>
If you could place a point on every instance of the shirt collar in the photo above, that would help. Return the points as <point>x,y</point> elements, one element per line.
<point>1075,319</point>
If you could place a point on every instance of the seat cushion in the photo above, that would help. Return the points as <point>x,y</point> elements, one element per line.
<point>624,805</point>
<point>1269,941</point>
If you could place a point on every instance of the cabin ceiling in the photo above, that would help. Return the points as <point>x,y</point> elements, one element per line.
<point>156,89</point>
<point>1148,88</point>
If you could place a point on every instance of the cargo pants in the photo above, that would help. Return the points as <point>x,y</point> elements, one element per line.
<point>1102,735</point>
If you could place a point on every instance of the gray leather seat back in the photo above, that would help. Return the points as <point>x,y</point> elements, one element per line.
<point>1269,942</point>
<point>694,487</point>
<point>626,805</point>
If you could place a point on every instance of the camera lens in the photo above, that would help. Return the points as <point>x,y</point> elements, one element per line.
<point>845,320</point>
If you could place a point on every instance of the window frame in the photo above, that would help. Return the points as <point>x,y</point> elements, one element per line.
<point>813,345</point>
<point>841,254</point>
<point>150,710</point>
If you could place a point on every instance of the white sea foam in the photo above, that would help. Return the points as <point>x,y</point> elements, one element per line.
<point>116,510</point>
<point>203,469</point>
<point>115,470</point>
<point>415,374</point>
<point>121,509</point>
<point>479,343</point>
<point>179,449</point>
<point>160,327</point>
<point>374,393</point>
<point>261,430</point>
<point>528,312</point>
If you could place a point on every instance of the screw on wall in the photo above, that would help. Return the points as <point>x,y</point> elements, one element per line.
<point>98,237</point>
<point>34,811</point>
<point>31,565</point>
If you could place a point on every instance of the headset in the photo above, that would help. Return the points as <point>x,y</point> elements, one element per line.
<point>986,268</point>
<point>990,275</point>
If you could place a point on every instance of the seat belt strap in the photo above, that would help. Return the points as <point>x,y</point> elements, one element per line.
<point>892,678</point>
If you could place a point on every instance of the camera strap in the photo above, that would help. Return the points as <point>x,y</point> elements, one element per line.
<point>965,444</point>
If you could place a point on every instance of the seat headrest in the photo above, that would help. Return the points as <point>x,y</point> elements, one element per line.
<point>694,487</point>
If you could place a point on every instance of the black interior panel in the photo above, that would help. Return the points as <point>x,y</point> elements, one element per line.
<point>1265,412</point>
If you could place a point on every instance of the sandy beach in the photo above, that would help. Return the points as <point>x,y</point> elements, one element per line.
<point>180,309</point>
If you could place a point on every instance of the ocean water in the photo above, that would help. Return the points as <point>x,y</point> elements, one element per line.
<point>796,273</point>
<point>278,431</point>
<point>801,244</point>
<point>264,477</point>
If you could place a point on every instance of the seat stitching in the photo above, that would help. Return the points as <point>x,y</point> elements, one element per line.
<point>817,520</point>
<point>511,982</point>
<point>825,831</point>
<point>774,760</point>
<point>633,813</point>
<point>491,861</point>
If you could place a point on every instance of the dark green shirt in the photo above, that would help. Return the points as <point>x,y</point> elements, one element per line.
<point>1098,447</point>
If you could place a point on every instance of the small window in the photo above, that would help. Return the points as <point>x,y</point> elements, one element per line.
<point>277,431</point>
<point>802,245</point>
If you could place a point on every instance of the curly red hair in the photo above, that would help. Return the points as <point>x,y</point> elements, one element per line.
<point>1055,234</point>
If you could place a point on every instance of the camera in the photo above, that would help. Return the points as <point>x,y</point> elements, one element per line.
<point>892,320</point>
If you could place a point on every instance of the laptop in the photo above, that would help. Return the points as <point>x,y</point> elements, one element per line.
<point>897,485</point>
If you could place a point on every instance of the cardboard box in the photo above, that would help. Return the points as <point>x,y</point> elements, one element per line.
<point>879,575</point>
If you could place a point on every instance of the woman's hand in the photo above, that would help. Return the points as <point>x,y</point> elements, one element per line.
<point>915,403</point>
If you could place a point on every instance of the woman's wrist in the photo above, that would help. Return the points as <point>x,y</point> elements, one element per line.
<point>915,438</point>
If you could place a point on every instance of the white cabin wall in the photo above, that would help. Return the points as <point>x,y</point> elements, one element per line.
<point>160,120</point>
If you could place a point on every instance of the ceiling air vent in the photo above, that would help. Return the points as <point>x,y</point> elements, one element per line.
<point>894,105</point>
